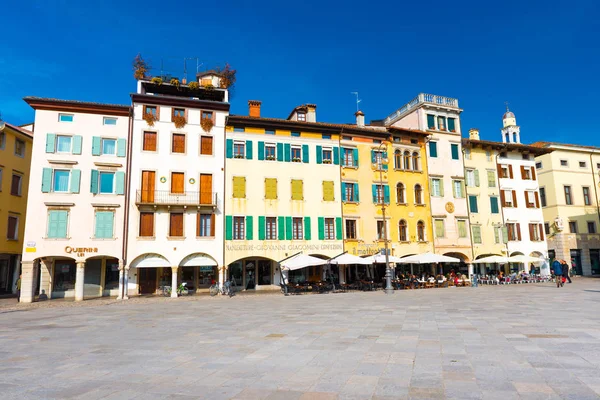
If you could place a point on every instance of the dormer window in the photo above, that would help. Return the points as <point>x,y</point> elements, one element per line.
<point>302,116</point>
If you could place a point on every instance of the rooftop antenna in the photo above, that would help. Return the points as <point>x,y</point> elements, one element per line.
<point>506,103</point>
<point>185,65</point>
<point>357,100</point>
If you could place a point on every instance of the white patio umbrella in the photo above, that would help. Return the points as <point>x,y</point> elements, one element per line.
<point>301,261</point>
<point>380,259</point>
<point>428,258</point>
<point>525,259</point>
<point>491,260</point>
<point>348,259</point>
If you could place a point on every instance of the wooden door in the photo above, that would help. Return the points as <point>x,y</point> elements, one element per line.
<point>148,180</point>
<point>177,182</point>
<point>315,273</point>
<point>206,189</point>
<point>147,278</point>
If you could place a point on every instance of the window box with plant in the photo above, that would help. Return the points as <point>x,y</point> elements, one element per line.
<point>150,118</point>
<point>238,156</point>
<point>326,161</point>
<point>270,158</point>
<point>207,124</point>
<point>193,85</point>
<point>297,159</point>
<point>157,80</point>
<point>179,121</point>
<point>175,82</point>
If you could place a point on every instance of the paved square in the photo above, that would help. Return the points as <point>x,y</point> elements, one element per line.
<point>508,342</point>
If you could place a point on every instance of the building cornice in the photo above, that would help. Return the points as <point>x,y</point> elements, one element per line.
<point>179,102</point>
<point>40,103</point>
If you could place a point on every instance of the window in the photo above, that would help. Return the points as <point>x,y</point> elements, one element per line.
<point>178,143</point>
<point>597,165</point>
<point>494,205</point>
<point>19,148</point>
<point>468,154</point>
<point>586,196</point>
<point>176,224</point>
<point>2,140</point>
<point>509,198</point>
<point>488,155</point>
<point>206,145</point>
<point>441,123</point>
<point>350,192</point>
<point>462,228</point>
<point>402,231</point>
<point>470,178</point>
<point>328,191</point>
<point>380,230</point>
<point>476,229</point>
<point>568,198</point>
<point>327,155</point>
<point>296,153</point>
<point>440,231</point>
<point>325,136</point>
<point>543,196</point>
<point>454,151</point>
<point>12,231</point>
<point>107,182</point>
<point>421,231</point>
<point>433,149</point>
<point>582,164</point>
<point>400,194</point>
<point>16,185</point>
<point>297,189</point>
<point>239,149</point>
<point>457,186</point>
<point>329,228</point>
<point>407,160</point>
<point>151,110</point>
<point>65,117</point>
<point>104,225</point>
<point>532,199</point>
<point>271,188</point>
<point>473,204</point>
<point>436,187</point>
<point>381,194</point>
<point>207,115</point>
<point>538,165</point>
<point>547,228</point>
<point>268,132</point>
<point>149,143</point>
<point>297,228</point>
<point>270,152</point>
<point>239,228</point>
<point>526,173</point>
<point>239,187</point>
<point>177,112</point>
<point>491,176</point>
<point>525,156</point>
<point>302,116</point>
<point>57,224</point>
<point>63,144</point>
<point>418,194</point>
<point>349,157</point>
<point>591,227</point>
<point>351,229</point>
<point>573,226</point>
<point>271,228</point>
<point>397,159</point>
<point>535,231</point>
<point>239,129</point>
<point>295,134</point>
<point>377,159</point>
<point>61,180</point>
<point>205,225</point>
<point>430,121</point>
<point>146,224</point>
<point>564,163</point>
<point>109,147</point>
<point>346,137</point>
<point>514,232</point>
<point>505,171</point>
<point>109,121</point>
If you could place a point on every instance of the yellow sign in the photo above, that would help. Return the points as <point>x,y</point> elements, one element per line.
<point>30,249</point>
<point>80,250</point>
<point>450,207</point>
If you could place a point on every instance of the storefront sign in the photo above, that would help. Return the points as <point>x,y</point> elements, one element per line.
<point>30,249</point>
<point>205,268</point>
<point>283,247</point>
<point>80,251</point>
<point>363,249</point>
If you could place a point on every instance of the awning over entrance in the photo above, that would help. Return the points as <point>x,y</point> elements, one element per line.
<point>301,261</point>
<point>151,261</point>
<point>428,258</point>
<point>348,259</point>
<point>491,260</point>
<point>198,259</point>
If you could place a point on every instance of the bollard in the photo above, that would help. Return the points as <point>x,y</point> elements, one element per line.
<point>475,281</point>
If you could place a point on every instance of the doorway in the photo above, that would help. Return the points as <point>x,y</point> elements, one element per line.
<point>576,268</point>
<point>148,180</point>
<point>92,278</point>
<point>147,278</point>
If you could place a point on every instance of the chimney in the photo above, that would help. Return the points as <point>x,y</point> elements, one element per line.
<point>254,108</point>
<point>360,118</point>
<point>474,134</point>
<point>184,81</point>
<point>311,113</point>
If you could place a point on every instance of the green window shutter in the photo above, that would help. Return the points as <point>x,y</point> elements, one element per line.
<point>305,153</point>
<point>94,182</point>
<point>321,228</point>
<point>373,158</point>
<point>281,228</point>
<point>476,234</point>
<point>385,166</point>
<point>57,224</point>
<point>494,205</point>
<point>374,191</point>
<point>356,192</point>
<point>430,122</point>
<point>104,224</point>
<point>476,173</point>
<point>280,152</point>
<point>433,149</point>
<point>121,147</point>
<point>496,235</point>
<point>120,182</point>
<point>441,187</point>
<point>454,150</point>
<point>77,139</point>
<point>249,149</point>
<point>338,228</point>
<point>319,154</point>
<point>336,155</point>
<point>46,180</point>
<point>504,235</point>
<point>96,142</point>
<point>261,150</point>
<point>75,179</point>
<point>249,228</point>
<point>343,186</point>
<point>355,157</point>
<point>229,149</point>
<point>228,227</point>
<point>473,204</point>
<point>307,235</point>
<point>454,194</point>
<point>261,228</point>
<point>50,142</point>
<point>451,124</point>
<point>287,152</point>
<point>288,228</point>
<point>386,194</point>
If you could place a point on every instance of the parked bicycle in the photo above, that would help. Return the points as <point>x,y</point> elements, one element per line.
<point>227,289</point>
<point>182,290</point>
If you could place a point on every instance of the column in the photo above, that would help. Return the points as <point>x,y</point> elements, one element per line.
<point>125,282</point>
<point>121,280</point>
<point>342,272</point>
<point>79,281</point>
<point>45,279</point>
<point>174,281</point>
<point>27,282</point>
<point>222,275</point>
<point>102,277</point>
<point>470,266</point>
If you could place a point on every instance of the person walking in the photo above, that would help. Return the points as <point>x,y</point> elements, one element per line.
<point>565,270</point>
<point>557,268</point>
<point>19,289</point>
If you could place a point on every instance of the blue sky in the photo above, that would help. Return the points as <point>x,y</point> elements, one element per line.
<point>540,56</point>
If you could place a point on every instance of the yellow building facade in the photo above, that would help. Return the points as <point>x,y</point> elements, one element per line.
<point>15,160</point>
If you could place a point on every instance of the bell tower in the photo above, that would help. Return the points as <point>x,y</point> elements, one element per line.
<point>511,133</point>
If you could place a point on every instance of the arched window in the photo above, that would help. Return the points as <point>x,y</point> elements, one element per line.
<point>415,161</point>
<point>402,230</point>
<point>407,160</point>
<point>421,231</point>
<point>418,194</point>
<point>398,159</point>
<point>400,193</point>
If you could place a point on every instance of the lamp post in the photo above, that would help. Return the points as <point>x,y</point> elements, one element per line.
<point>378,164</point>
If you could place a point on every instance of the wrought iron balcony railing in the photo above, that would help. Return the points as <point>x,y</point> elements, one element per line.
<point>167,198</point>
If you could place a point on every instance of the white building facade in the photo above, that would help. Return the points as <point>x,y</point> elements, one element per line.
<point>75,210</point>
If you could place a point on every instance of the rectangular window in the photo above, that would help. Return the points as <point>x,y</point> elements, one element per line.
<point>458,189</point>
<point>109,147</point>
<point>329,228</point>
<point>151,110</point>
<point>325,136</point>
<point>454,150</point>
<point>295,134</point>
<point>302,116</point>
<point>538,165</point>
<point>433,149</point>
<point>534,232</point>
<point>206,145</point>
<point>491,176</point>
<point>239,129</point>
<point>587,200</point>
<point>146,224</point>
<point>591,226</point>
<point>530,201</point>
<point>452,124</point>
<point>462,228</point>
<point>16,185</point>
<point>568,198</point>
<point>57,224</point>
<point>348,157</point>
<point>328,191</point>
<point>297,228</point>
<point>19,148</point>
<point>379,194</point>
<point>547,228</point>
<point>543,196</point>
<point>270,151</point>
<point>271,228</point>
<point>65,117</point>
<point>440,230</point>
<point>470,178</point>
<point>104,225</point>
<point>350,192</point>
<point>430,121</point>
<point>297,189</point>
<point>573,226</point>
<point>176,224</point>
<point>149,141</point>
<point>207,115</point>
<point>61,180</point>
<point>2,140</point>
<point>178,143</point>
<point>564,163</point>
<point>582,164</point>
<point>514,232</point>
<point>504,171</point>
<point>436,184</point>
<point>494,205</point>
<point>12,231</point>
<point>476,234</point>
<point>109,121</point>
<point>473,204</point>
<point>64,144</point>
<point>239,228</point>
<point>327,155</point>
<point>380,230</point>
<point>269,132</point>
<point>488,155</point>
<point>1,176</point>
<point>526,173</point>
<point>107,182</point>
<point>296,153</point>
<point>239,149</point>
<point>441,123</point>
<point>205,225</point>
<point>351,229</point>
<point>508,198</point>
<point>177,112</point>
<point>271,188</point>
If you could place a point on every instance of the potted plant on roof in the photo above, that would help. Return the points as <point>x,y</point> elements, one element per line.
<point>193,85</point>
<point>227,76</point>
<point>175,82</point>
<point>157,80</point>
<point>140,68</point>
<point>207,124</point>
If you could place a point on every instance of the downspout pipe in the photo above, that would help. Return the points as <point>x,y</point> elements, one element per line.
<point>124,292</point>
<point>595,187</point>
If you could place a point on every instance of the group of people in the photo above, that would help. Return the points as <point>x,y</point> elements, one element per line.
<point>560,269</point>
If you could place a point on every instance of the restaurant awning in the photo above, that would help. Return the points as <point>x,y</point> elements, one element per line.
<point>198,260</point>
<point>428,258</point>
<point>525,259</point>
<point>301,261</point>
<point>491,260</point>
<point>380,259</point>
<point>349,259</point>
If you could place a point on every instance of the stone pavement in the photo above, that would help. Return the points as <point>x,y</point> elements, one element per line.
<point>508,342</point>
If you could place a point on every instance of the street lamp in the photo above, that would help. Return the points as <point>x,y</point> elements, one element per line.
<point>378,164</point>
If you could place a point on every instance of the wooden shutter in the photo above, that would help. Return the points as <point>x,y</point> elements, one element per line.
<point>537,200</point>
<point>198,220</point>
<point>206,189</point>
<point>532,228</point>
<point>328,194</point>
<point>14,185</point>
<point>499,167</point>
<point>206,145</point>
<point>146,224</point>
<point>177,182</point>
<point>518,231</point>
<point>149,141</point>
<point>533,173</point>
<point>176,224</point>
<point>502,199</point>
<point>178,143</point>
<point>527,203</point>
<point>148,181</point>
<point>541,227</point>
<point>510,171</point>
<point>239,187</point>
<point>523,172</point>
<point>514,196</point>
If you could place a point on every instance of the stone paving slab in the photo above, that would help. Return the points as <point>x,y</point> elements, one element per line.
<point>507,342</point>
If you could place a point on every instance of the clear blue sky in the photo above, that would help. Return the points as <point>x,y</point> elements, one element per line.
<point>540,56</point>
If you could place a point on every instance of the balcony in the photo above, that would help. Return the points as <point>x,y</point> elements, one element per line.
<point>422,98</point>
<point>167,198</point>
